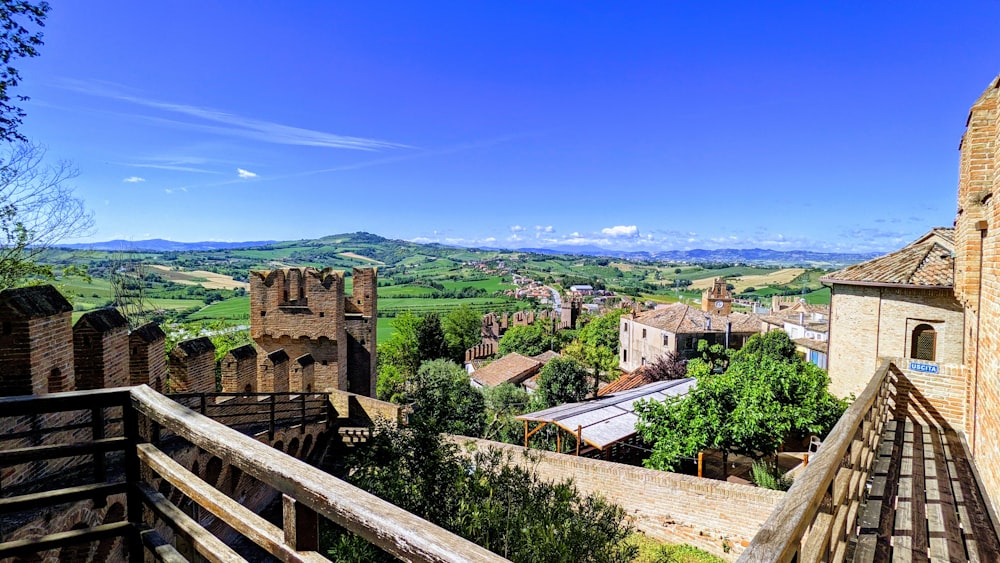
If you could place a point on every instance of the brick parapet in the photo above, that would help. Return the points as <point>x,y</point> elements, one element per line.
<point>667,506</point>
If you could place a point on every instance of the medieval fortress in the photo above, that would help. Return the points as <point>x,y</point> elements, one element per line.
<point>308,335</point>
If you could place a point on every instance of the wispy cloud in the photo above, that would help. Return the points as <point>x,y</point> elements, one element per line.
<point>245,173</point>
<point>133,180</point>
<point>235,125</point>
<point>171,167</point>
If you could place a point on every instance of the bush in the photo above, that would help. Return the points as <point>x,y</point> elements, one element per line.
<point>764,477</point>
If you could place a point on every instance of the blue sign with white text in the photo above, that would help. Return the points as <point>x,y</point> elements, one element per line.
<point>925,368</point>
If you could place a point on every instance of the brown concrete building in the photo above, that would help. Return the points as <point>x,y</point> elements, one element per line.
<point>101,350</point>
<point>644,337</point>
<point>898,305</point>
<point>717,299</point>
<point>36,342</point>
<point>147,356</point>
<point>306,311</point>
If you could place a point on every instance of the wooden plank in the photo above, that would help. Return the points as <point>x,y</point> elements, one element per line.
<point>98,492</point>
<point>918,505</point>
<point>36,453</point>
<point>208,546</point>
<point>61,402</point>
<point>160,549</point>
<point>240,518</point>
<point>387,526</point>
<point>864,550</point>
<point>63,539</point>
<point>952,545</point>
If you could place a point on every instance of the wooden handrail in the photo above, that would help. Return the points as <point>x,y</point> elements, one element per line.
<point>385,525</point>
<point>61,402</point>
<point>780,538</point>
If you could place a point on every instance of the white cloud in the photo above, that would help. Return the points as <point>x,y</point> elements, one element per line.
<point>133,180</point>
<point>546,229</point>
<point>246,173</point>
<point>168,190</point>
<point>621,231</point>
<point>516,228</point>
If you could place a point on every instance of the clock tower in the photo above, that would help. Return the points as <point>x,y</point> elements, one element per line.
<point>717,300</point>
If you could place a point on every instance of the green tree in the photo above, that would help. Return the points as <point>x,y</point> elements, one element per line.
<point>430,338</point>
<point>484,497</point>
<point>562,380</point>
<point>503,403</point>
<point>761,400</point>
<point>401,349</point>
<point>17,40</point>
<point>599,340</point>
<point>443,398</point>
<point>462,330</point>
<point>528,340</point>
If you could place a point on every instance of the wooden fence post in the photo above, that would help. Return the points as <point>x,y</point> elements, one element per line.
<point>301,525</point>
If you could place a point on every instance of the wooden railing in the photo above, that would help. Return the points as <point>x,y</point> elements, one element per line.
<point>251,411</point>
<point>815,520</point>
<point>140,470</point>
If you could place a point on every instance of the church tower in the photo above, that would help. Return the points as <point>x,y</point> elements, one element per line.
<point>717,300</point>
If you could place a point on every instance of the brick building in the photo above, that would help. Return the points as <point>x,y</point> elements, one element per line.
<point>899,305</point>
<point>644,337</point>
<point>306,311</point>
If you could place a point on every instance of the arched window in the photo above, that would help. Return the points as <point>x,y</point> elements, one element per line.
<point>55,381</point>
<point>923,345</point>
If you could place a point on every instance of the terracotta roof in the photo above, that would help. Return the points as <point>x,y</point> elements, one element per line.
<point>35,302</point>
<point>104,320</point>
<point>927,262</point>
<point>546,356</point>
<point>512,368</point>
<point>680,318</point>
<point>641,376</point>
<point>149,333</point>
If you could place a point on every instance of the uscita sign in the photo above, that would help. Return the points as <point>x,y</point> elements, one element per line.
<point>924,368</point>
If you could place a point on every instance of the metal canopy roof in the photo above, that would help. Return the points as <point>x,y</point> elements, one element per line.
<point>611,418</point>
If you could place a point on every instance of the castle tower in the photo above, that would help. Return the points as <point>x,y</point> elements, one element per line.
<point>571,309</point>
<point>36,342</point>
<point>100,350</point>
<point>717,300</point>
<point>147,356</point>
<point>306,311</point>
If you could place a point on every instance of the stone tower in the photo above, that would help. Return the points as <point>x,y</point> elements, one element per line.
<point>717,300</point>
<point>306,311</point>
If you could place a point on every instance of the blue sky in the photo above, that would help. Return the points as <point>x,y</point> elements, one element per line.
<point>630,125</point>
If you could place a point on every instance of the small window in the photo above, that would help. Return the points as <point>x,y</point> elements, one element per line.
<point>923,343</point>
<point>626,327</point>
<point>644,333</point>
<point>263,313</point>
<point>643,360</point>
<point>302,293</point>
<point>321,315</point>
<point>666,339</point>
<point>285,295</point>
<point>624,355</point>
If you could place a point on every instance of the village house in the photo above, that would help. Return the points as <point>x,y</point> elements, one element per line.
<point>807,325</point>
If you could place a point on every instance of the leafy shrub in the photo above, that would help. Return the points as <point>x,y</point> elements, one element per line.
<point>763,476</point>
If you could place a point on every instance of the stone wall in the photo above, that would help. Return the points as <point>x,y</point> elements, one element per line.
<point>192,367</point>
<point>36,355</point>
<point>101,350</point>
<point>147,357</point>
<point>669,507</point>
<point>239,370</point>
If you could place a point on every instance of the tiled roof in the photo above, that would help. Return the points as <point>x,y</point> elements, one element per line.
<point>812,344</point>
<point>679,318</point>
<point>927,262</point>
<point>547,355</point>
<point>104,320</point>
<point>512,368</point>
<point>35,302</point>
<point>641,376</point>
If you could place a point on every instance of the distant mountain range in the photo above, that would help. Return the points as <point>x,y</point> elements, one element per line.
<point>757,256</point>
<point>160,245</point>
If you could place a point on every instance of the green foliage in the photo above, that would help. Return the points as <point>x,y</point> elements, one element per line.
<point>684,554</point>
<point>503,403</point>
<point>401,349</point>
<point>763,398</point>
<point>444,399</point>
<point>562,380</point>
<point>430,338</point>
<point>764,476</point>
<point>774,344</point>
<point>16,41</point>
<point>527,340</point>
<point>485,498</point>
<point>462,330</point>
<point>391,385</point>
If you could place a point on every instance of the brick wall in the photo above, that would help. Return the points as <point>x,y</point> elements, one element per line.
<point>666,506</point>
<point>934,398</point>
<point>977,282</point>
<point>239,370</point>
<point>147,357</point>
<point>867,323</point>
<point>101,359</point>
<point>192,367</point>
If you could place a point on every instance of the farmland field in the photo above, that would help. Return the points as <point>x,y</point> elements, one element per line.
<point>779,277</point>
<point>208,280</point>
<point>235,308</point>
